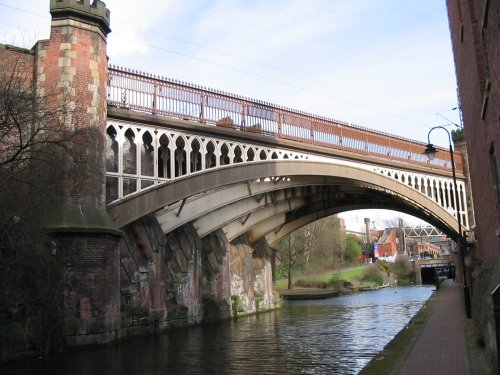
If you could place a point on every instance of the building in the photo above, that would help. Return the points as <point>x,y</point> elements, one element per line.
<point>474,29</point>
<point>423,248</point>
<point>388,245</point>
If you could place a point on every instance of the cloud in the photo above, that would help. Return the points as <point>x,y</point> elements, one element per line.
<point>137,27</point>
<point>380,64</point>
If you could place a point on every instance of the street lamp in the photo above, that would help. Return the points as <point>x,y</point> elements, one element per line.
<point>431,151</point>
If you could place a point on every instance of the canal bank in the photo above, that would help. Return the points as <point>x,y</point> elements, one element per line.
<point>438,340</point>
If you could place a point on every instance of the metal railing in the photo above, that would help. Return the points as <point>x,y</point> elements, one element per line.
<point>170,98</point>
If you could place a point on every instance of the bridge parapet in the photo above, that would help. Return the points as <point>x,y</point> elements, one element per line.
<point>170,98</point>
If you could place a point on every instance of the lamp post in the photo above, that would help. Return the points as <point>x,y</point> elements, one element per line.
<point>430,151</point>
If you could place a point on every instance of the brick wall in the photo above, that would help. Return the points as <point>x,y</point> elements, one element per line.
<point>19,61</point>
<point>475,35</point>
<point>71,70</point>
<point>91,305</point>
<point>477,59</point>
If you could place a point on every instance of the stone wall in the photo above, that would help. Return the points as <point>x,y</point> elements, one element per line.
<point>252,276</point>
<point>179,280</point>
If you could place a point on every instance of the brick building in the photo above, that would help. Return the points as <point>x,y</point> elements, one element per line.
<point>425,248</point>
<point>388,245</point>
<point>474,29</point>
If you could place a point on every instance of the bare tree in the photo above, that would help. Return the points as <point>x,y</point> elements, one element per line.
<point>35,147</point>
<point>296,249</point>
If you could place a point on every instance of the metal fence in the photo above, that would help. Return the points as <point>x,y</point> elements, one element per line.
<point>170,98</point>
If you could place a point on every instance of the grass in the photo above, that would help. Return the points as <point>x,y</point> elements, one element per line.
<point>352,275</point>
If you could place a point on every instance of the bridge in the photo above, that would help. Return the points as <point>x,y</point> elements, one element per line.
<point>229,152</point>
<point>168,217</point>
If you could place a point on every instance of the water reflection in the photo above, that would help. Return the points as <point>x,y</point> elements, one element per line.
<point>333,336</point>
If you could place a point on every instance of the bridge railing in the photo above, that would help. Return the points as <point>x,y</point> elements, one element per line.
<point>161,96</point>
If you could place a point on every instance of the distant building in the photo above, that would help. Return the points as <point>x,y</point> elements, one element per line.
<point>421,249</point>
<point>388,245</point>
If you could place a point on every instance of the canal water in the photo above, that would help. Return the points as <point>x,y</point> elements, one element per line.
<point>332,336</point>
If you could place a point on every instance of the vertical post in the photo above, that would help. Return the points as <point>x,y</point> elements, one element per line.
<point>202,108</point>
<point>155,98</point>
<point>495,295</point>
<point>280,122</point>
<point>243,116</point>
<point>367,245</point>
<point>461,240</point>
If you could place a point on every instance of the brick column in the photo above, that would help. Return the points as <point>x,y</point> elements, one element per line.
<point>71,70</point>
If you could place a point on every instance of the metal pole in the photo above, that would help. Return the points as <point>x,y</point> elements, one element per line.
<point>460,240</point>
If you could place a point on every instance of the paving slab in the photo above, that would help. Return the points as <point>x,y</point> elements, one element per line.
<point>437,341</point>
<point>441,346</point>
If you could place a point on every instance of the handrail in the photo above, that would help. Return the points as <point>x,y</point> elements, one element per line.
<point>171,98</point>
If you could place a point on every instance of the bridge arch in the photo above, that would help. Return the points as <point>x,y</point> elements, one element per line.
<point>168,200</point>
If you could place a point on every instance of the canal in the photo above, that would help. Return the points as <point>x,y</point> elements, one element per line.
<point>332,336</point>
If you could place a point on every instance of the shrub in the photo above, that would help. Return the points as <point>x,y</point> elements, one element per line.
<point>403,271</point>
<point>237,305</point>
<point>226,122</point>
<point>301,283</point>
<point>374,275</point>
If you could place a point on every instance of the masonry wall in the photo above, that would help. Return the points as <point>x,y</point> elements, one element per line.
<point>477,57</point>
<point>180,280</point>
<point>252,276</point>
<point>475,37</point>
<point>91,309</point>
<point>71,71</point>
<point>18,61</point>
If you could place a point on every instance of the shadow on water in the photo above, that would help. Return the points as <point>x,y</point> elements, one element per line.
<point>332,336</point>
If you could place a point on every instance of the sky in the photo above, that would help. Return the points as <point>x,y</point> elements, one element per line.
<point>382,64</point>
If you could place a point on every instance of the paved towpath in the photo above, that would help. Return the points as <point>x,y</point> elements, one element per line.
<point>441,347</point>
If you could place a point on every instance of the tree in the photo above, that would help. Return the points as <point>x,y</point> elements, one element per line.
<point>296,249</point>
<point>330,242</point>
<point>353,248</point>
<point>35,147</point>
<point>403,271</point>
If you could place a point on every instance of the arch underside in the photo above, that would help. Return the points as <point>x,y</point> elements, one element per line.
<point>271,199</point>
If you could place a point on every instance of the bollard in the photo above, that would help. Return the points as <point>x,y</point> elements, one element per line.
<point>495,295</point>
<point>436,280</point>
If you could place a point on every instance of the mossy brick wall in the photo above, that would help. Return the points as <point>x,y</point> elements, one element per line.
<point>170,281</point>
<point>252,274</point>
<point>181,280</point>
<point>91,305</point>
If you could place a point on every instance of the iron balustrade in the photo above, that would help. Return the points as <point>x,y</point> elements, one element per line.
<point>170,98</point>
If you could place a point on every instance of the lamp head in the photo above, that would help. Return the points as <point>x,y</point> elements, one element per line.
<point>430,151</point>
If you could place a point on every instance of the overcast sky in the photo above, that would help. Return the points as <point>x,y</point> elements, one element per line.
<point>383,64</point>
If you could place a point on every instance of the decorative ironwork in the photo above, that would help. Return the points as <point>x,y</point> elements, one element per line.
<point>141,156</point>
